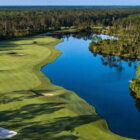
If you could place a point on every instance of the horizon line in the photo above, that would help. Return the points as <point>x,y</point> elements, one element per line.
<point>70,5</point>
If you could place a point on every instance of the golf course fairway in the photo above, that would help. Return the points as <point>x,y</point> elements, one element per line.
<point>35,108</point>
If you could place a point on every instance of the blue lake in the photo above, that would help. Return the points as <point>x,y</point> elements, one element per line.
<point>103,81</point>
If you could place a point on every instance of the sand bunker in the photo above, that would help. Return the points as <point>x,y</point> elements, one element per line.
<point>47,94</point>
<point>5,133</point>
<point>19,54</point>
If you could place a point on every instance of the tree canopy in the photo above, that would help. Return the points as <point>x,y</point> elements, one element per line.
<point>24,21</point>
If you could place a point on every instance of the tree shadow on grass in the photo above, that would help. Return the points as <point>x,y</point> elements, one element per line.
<point>24,120</point>
<point>50,131</point>
<point>44,137</point>
<point>30,111</point>
<point>66,137</point>
<point>7,99</point>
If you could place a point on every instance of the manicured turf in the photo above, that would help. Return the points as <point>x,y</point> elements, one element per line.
<point>63,116</point>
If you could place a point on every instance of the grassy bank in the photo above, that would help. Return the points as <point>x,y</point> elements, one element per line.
<point>61,116</point>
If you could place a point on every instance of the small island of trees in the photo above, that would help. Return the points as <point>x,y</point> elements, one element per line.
<point>128,43</point>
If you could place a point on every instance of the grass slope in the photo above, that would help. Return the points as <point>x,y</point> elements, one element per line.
<point>63,116</point>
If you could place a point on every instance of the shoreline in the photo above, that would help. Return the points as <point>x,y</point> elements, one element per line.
<point>121,56</point>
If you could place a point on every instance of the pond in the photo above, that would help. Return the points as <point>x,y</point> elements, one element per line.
<point>102,81</point>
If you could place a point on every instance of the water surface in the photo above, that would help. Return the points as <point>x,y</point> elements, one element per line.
<point>103,81</point>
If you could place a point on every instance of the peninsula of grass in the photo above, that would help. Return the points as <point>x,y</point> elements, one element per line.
<point>35,108</point>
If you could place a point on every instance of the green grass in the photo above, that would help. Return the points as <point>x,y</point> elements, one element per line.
<point>63,116</point>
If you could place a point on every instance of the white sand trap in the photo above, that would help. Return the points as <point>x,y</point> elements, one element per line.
<point>5,133</point>
<point>47,94</point>
<point>20,54</point>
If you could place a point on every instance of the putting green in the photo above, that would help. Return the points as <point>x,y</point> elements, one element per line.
<point>60,114</point>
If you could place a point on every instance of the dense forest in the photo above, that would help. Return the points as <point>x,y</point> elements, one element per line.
<point>135,84</point>
<point>128,43</point>
<point>25,21</point>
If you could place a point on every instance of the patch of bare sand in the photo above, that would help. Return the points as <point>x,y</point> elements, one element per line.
<point>5,133</point>
<point>20,54</point>
<point>47,94</point>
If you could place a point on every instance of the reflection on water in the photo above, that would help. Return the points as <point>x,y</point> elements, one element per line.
<point>82,35</point>
<point>103,81</point>
<point>138,104</point>
<point>116,61</point>
<point>133,94</point>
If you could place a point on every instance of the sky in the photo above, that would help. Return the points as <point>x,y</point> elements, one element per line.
<point>69,2</point>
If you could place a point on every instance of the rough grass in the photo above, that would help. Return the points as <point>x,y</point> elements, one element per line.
<point>63,116</point>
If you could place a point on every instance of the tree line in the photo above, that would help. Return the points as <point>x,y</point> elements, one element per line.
<point>26,21</point>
